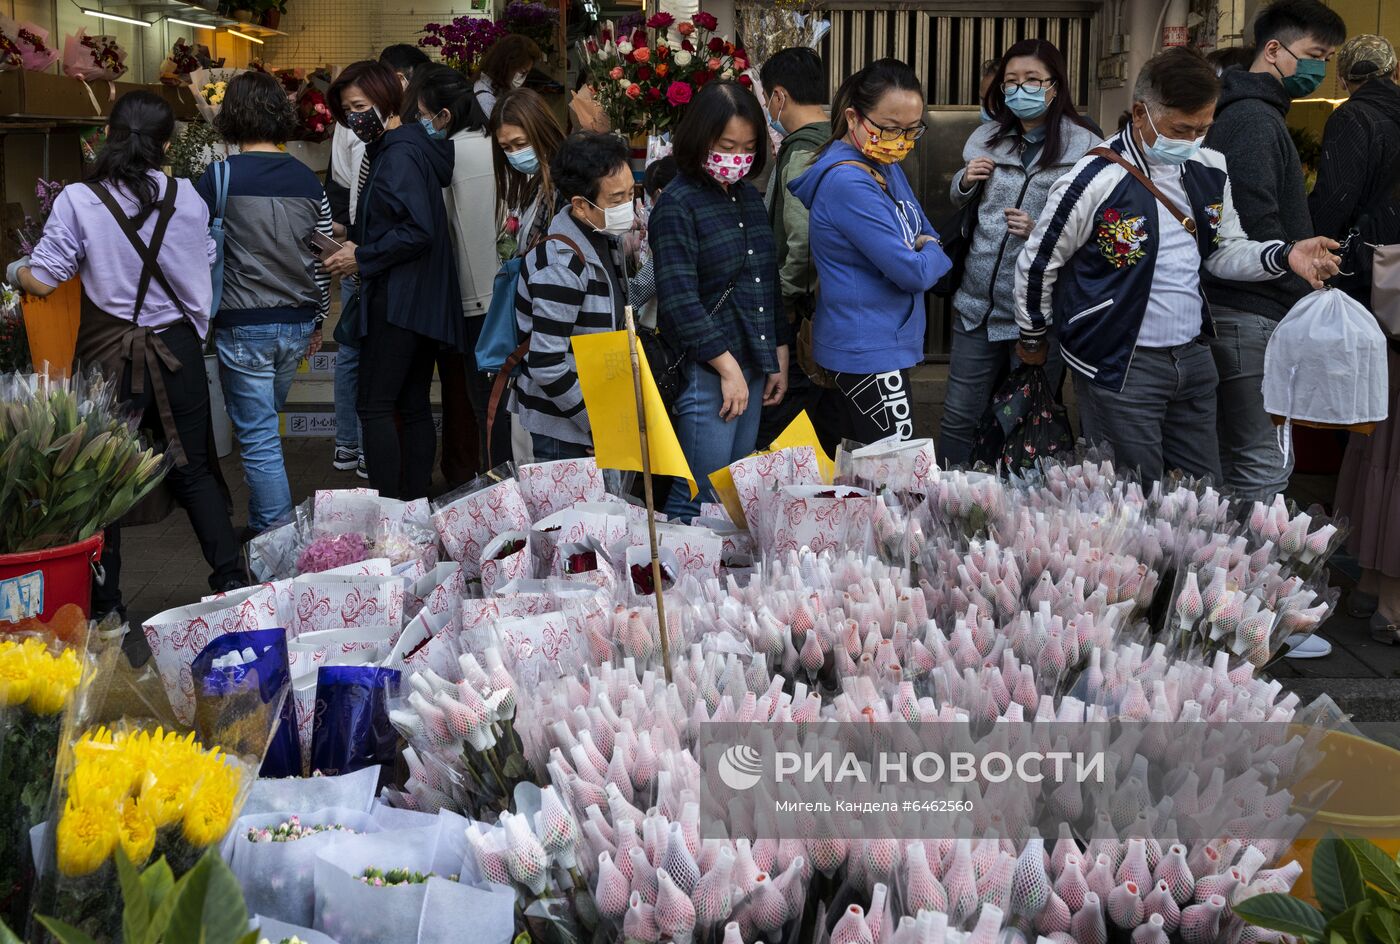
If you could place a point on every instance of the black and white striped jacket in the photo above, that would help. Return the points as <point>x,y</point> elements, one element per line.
<point>558,296</point>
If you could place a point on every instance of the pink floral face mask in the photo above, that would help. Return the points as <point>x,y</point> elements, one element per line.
<point>728,168</point>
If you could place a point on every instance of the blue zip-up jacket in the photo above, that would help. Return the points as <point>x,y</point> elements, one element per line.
<point>1088,265</point>
<point>870,315</point>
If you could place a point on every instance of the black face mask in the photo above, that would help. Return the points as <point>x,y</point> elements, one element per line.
<point>365,125</point>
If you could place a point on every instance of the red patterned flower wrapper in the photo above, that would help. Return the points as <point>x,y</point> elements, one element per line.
<point>508,557</point>
<point>467,524</point>
<point>550,487</point>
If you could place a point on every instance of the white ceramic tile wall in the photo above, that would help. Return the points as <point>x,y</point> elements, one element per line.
<point>338,32</point>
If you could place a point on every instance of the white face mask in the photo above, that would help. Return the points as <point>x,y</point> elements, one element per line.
<point>617,220</point>
<point>518,79</point>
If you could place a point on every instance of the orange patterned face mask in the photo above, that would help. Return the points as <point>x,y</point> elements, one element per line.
<point>885,152</point>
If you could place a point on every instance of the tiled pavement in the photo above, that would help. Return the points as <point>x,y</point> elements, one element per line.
<point>163,568</point>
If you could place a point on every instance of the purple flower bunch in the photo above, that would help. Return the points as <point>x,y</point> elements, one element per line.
<point>529,13</point>
<point>29,232</point>
<point>332,550</point>
<point>462,42</point>
<point>630,23</point>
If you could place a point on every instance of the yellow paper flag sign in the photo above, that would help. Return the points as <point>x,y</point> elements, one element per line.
<point>800,432</point>
<point>605,375</point>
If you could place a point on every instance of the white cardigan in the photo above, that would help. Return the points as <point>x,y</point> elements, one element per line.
<point>471,211</point>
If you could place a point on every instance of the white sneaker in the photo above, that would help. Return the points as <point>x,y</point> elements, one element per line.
<point>345,458</point>
<point>1308,647</point>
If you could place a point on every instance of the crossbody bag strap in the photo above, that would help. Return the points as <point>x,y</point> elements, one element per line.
<point>1183,218</point>
<point>149,254</point>
<point>517,356</point>
<point>222,176</point>
<point>875,175</point>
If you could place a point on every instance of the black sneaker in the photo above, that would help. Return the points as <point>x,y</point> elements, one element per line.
<point>347,459</point>
<point>361,469</point>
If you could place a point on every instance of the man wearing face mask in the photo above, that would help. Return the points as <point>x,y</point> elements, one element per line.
<point>573,282</point>
<point>1293,39</point>
<point>1115,263</point>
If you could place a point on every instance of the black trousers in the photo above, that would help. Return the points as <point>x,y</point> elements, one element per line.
<point>194,485</point>
<point>460,440</point>
<point>395,407</point>
<point>479,385</point>
<point>872,407</point>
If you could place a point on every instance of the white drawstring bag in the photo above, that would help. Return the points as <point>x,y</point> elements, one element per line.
<point>1326,366</point>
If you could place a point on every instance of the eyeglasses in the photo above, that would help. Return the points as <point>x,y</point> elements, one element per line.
<point>1030,85</point>
<point>894,134</point>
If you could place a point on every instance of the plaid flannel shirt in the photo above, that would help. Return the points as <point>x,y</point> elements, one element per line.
<point>702,238</point>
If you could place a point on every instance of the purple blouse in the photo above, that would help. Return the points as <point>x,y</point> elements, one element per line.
<point>82,238</point>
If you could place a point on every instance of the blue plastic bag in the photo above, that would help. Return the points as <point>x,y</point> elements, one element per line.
<point>351,729</point>
<point>227,696</point>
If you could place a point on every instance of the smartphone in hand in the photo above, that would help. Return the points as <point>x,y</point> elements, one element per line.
<point>323,246</point>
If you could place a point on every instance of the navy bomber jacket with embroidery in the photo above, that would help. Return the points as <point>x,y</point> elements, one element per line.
<point>1087,268</point>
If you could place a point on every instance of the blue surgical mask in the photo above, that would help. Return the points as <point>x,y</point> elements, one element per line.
<point>1026,104</point>
<point>434,132</point>
<point>1171,150</point>
<point>777,125</point>
<point>524,160</point>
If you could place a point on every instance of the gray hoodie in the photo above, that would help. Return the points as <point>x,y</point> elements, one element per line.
<point>988,290</point>
<point>1266,185</point>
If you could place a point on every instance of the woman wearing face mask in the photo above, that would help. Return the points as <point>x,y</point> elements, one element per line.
<point>445,106</point>
<point>875,250</point>
<point>409,295</point>
<point>1011,163</point>
<point>722,304</point>
<point>505,66</point>
<point>524,140</point>
<point>574,282</point>
<point>144,323</point>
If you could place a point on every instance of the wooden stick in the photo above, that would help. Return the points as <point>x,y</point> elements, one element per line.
<point>646,485</point>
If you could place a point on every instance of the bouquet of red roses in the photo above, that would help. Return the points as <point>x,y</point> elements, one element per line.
<point>648,77</point>
<point>315,115</point>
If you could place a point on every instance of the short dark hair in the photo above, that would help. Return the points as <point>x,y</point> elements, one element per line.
<point>439,87</point>
<point>991,67</point>
<point>1288,21</point>
<point>1228,57</point>
<point>658,174</point>
<point>376,79</point>
<point>1178,78</point>
<point>404,58</point>
<point>799,71</point>
<point>1061,107</point>
<point>507,56</point>
<point>255,109</point>
<point>704,123</point>
<point>585,158</point>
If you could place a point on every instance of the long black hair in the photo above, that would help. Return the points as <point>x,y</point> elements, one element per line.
<point>1061,107</point>
<point>705,120</point>
<point>439,87</point>
<point>864,89</point>
<point>138,131</point>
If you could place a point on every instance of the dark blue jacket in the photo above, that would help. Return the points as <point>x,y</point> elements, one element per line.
<point>1088,265</point>
<point>407,265</point>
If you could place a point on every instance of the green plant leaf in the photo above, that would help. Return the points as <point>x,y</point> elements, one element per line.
<point>66,933</point>
<point>1283,913</point>
<point>136,905</point>
<point>1376,866</point>
<point>7,936</point>
<point>1351,924</point>
<point>1336,876</point>
<point>185,920</point>
<point>225,914</point>
<point>1384,924</point>
<point>252,937</point>
<point>158,881</point>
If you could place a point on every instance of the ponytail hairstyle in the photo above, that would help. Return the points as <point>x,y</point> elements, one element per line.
<point>141,126</point>
<point>442,87</point>
<point>864,89</point>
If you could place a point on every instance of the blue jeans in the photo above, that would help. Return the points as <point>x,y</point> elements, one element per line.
<point>976,368</point>
<point>1162,419</point>
<point>1251,463</point>
<point>257,365</point>
<point>710,443</point>
<point>347,385</point>
<point>549,449</point>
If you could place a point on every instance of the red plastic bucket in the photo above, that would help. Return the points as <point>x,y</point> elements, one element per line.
<point>35,584</point>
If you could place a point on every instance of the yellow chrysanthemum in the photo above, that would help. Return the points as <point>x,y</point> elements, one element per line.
<point>54,679</point>
<point>165,794</point>
<point>15,674</point>
<point>136,832</point>
<point>85,839</point>
<point>209,813</point>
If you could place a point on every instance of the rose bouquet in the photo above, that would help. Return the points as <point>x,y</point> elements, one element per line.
<point>463,41</point>
<point>25,45</point>
<point>315,115</point>
<point>10,57</point>
<point>647,77</point>
<point>93,58</point>
<point>184,59</point>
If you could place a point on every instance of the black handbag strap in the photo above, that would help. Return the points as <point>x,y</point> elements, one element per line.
<point>149,253</point>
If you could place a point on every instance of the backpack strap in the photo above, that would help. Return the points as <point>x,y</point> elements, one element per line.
<point>517,356</point>
<point>1182,217</point>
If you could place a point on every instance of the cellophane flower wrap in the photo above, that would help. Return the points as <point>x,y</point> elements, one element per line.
<point>46,689</point>
<point>93,58</point>
<point>14,338</point>
<point>28,43</point>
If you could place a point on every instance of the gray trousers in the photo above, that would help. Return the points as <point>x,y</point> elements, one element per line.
<point>1163,418</point>
<point>1251,463</point>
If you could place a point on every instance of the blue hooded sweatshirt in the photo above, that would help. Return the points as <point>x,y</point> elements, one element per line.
<point>870,304</point>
